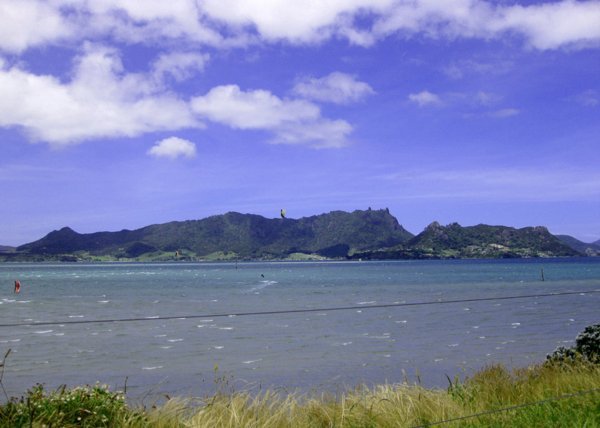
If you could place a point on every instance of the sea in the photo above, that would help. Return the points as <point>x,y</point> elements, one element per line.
<point>191,329</point>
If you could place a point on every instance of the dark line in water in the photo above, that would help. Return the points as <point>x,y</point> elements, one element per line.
<point>299,311</point>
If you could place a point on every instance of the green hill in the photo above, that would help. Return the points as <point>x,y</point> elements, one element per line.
<point>592,249</point>
<point>232,235</point>
<point>367,235</point>
<point>481,241</point>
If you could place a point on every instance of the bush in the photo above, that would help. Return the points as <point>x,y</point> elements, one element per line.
<point>587,347</point>
<point>88,406</point>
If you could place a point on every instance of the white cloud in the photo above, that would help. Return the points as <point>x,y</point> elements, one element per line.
<point>222,23</point>
<point>172,148</point>
<point>101,100</point>
<point>305,21</point>
<point>425,98</point>
<point>25,23</point>
<point>258,109</point>
<point>553,25</point>
<point>179,65</point>
<point>339,88</point>
<point>292,121</point>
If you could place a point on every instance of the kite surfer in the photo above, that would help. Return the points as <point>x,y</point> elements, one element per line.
<point>282,213</point>
<point>17,286</point>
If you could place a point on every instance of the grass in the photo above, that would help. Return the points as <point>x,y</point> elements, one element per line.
<point>400,405</point>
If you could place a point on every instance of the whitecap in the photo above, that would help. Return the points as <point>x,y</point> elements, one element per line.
<point>103,301</point>
<point>58,334</point>
<point>75,316</point>
<point>152,317</point>
<point>165,347</point>
<point>225,328</point>
<point>437,360</point>
<point>571,319</point>
<point>152,368</point>
<point>453,345</point>
<point>174,340</point>
<point>515,324</point>
<point>160,335</point>
<point>252,361</point>
<point>218,347</point>
<point>206,321</point>
<point>367,303</point>
<point>401,322</point>
<point>43,331</point>
<point>482,337</point>
<point>466,309</point>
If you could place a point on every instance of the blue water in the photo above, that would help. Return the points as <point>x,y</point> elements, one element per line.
<point>323,350</point>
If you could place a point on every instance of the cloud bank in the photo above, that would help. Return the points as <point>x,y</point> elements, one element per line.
<point>547,25</point>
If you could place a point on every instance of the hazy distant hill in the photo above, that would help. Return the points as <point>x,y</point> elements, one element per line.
<point>241,235</point>
<point>481,241</point>
<point>592,249</point>
<point>6,249</point>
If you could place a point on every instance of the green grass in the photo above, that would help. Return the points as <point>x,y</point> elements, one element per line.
<point>400,405</point>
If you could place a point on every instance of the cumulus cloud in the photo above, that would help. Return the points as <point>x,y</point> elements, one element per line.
<point>219,23</point>
<point>179,65</point>
<point>173,148</point>
<point>305,21</point>
<point>26,23</point>
<point>552,25</point>
<point>101,100</point>
<point>338,88</point>
<point>291,121</point>
<point>425,98</point>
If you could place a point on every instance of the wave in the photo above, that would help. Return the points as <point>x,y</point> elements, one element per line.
<point>262,285</point>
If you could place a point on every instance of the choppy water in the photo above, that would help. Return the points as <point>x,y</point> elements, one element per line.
<point>327,350</point>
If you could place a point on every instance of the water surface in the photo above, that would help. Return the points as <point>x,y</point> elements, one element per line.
<point>323,350</point>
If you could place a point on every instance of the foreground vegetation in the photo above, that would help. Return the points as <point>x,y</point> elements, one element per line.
<point>400,405</point>
<point>562,392</point>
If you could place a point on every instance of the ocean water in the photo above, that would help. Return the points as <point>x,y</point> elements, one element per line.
<point>321,350</point>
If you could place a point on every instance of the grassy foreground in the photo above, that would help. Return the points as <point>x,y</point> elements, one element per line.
<point>399,405</point>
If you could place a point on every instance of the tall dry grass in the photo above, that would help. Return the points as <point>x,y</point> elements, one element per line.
<point>405,405</point>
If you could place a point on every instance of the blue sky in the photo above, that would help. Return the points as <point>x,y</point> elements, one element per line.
<point>121,113</point>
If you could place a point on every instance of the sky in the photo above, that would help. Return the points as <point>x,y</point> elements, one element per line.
<point>117,114</point>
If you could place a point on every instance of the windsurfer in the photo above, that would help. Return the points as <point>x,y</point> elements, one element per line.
<point>17,286</point>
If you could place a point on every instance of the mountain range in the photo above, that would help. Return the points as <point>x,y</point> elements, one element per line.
<point>361,234</point>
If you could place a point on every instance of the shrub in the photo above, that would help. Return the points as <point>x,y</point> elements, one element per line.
<point>88,406</point>
<point>587,347</point>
